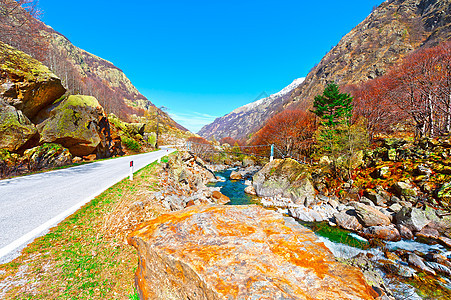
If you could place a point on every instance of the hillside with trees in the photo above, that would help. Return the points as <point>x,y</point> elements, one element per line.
<point>80,71</point>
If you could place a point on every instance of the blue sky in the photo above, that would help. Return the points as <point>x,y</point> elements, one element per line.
<point>202,59</point>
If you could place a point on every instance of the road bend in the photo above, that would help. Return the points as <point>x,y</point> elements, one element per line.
<point>32,204</point>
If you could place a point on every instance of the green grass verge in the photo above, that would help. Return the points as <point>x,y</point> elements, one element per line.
<point>80,258</point>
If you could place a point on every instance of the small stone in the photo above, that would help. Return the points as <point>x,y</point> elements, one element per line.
<point>236,175</point>
<point>250,190</point>
<point>219,197</point>
<point>396,207</point>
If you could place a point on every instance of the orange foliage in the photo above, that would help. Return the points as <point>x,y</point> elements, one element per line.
<point>199,145</point>
<point>417,90</point>
<point>291,131</point>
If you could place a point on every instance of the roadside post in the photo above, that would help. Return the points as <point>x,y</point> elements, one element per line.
<point>272,153</point>
<point>131,170</point>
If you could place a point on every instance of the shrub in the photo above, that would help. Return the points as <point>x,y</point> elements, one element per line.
<point>131,144</point>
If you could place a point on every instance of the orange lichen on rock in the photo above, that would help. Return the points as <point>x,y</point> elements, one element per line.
<point>238,252</point>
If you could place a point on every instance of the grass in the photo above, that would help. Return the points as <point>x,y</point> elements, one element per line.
<point>86,256</point>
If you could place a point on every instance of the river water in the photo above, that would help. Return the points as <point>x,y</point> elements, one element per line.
<point>346,244</point>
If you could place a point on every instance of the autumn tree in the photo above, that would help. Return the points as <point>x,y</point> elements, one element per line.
<point>20,28</point>
<point>199,146</point>
<point>423,88</point>
<point>291,131</point>
<point>228,140</point>
<point>373,104</point>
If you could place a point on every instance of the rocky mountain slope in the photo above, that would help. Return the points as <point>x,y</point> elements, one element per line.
<point>389,33</point>
<point>249,118</point>
<point>80,71</point>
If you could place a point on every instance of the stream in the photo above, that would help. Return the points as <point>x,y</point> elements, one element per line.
<point>345,244</point>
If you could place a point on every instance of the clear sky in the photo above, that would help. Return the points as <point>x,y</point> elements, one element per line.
<point>202,59</point>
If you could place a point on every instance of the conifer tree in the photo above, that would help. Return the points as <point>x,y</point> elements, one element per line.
<point>332,106</point>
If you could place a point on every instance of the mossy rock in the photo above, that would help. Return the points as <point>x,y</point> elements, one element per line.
<point>15,128</point>
<point>73,124</point>
<point>32,86</point>
<point>47,156</point>
<point>284,177</point>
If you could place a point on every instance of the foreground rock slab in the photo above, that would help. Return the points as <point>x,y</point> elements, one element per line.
<point>238,252</point>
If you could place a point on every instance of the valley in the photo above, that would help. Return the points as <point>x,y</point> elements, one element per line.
<point>338,186</point>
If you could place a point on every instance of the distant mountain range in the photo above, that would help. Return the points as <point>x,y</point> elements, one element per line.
<point>248,118</point>
<point>389,33</point>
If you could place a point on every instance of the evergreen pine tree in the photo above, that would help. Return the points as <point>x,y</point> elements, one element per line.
<point>332,106</point>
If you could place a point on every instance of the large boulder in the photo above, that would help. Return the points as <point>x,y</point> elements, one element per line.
<point>238,252</point>
<point>412,218</point>
<point>74,123</point>
<point>370,216</point>
<point>347,220</point>
<point>25,83</point>
<point>286,178</point>
<point>16,129</point>
<point>389,233</point>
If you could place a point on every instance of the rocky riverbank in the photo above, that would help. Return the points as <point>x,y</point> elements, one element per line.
<point>378,216</point>
<point>183,183</point>
<point>238,252</point>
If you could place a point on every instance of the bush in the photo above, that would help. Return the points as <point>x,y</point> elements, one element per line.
<point>131,144</point>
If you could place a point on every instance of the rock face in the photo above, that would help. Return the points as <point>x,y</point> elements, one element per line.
<point>249,118</point>
<point>25,83</point>
<point>389,33</point>
<point>15,128</point>
<point>286,178</point>
<point>238,252</point>
<point>73,123</point>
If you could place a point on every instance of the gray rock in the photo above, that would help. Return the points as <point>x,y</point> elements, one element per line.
<point>366,201</point>
<point>395,207</point>
<point>376,198</point>
<point>347,220</point>
<point>370,216</point>
<point>405,189</point>
<point>413,218</point>
<point>438,268</point>
<point>418,262</point>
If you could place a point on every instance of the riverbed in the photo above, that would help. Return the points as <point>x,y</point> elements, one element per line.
<point>345,244</point>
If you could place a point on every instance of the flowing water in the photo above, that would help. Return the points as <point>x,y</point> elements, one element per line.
<point>345,244</point>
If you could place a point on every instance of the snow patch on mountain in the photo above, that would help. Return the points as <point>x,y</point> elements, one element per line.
<point>270,99</point>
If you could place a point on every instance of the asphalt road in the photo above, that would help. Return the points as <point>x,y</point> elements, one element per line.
<point>30,205</point>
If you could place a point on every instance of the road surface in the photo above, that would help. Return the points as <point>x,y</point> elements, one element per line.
<point>30,205</point>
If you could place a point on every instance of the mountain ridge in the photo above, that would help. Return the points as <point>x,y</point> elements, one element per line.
<point>391,31</point>
<point>243,120</point>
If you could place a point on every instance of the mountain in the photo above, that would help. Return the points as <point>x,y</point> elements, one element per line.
<point>243,121</point>
<point>80,71</point>
<point>389,33</point>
